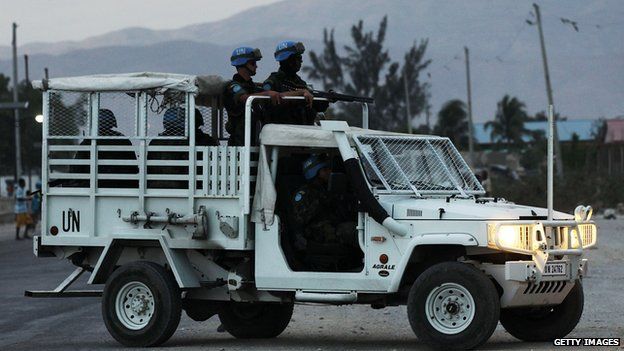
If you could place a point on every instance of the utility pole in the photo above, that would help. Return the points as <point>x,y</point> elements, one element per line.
<point>45,73</point>
<point>470,125</point>
<point>26,76</point>
<point>428,112</point>
<point>18,151</point>
<point>557,146</point>
<point>408,111</point>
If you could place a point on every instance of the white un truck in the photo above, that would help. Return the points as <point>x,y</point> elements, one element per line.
<point>140,191</point>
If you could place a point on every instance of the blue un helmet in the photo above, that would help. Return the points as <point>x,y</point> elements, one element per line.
<point>244,54</point>
<point>313,165</point>
<point>287,48</point>
<point>173,121</point>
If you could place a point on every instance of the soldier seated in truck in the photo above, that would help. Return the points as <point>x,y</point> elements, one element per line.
<point>107,122</point>
<point>321,219</point>
<point>174,122</point>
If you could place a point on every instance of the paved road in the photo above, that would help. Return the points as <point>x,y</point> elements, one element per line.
<point>72,324</point>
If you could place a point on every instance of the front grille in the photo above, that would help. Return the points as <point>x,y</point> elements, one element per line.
<point>545,288</point>
<point>587,233</point>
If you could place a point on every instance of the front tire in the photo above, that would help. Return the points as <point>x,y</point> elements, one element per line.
<point>545,323</point>
<point>255,320</point>
<point>141,304</point>
<point>453,305</point>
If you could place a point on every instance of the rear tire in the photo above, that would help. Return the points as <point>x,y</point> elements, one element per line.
<point>255,320</point>
<point>141,304</point>
<point>546,323</point>
<point>453,305</point>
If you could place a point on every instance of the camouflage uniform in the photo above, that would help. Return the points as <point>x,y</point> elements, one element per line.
<point>235,125</point>
<point>316,214</point>
<point>282,81</point>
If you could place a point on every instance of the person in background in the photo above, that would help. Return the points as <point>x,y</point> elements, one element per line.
<point>486,182</point>
<point>35,205</point>
<point>22,215</point>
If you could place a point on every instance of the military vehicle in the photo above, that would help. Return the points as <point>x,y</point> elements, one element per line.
<point>168,225</point>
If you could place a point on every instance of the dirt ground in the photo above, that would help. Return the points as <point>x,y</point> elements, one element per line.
<point>73,324</point>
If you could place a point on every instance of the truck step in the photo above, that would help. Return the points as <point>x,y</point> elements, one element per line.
<point>328,297</point>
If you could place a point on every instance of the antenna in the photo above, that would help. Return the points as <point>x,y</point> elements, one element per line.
<point>549,156</point>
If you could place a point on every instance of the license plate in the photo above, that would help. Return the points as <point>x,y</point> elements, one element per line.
<point>555,269</point>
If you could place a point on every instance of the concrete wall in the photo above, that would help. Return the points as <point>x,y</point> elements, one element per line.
<point>6,210</point>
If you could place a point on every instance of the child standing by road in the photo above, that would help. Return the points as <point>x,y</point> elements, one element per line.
<point>22,215</point>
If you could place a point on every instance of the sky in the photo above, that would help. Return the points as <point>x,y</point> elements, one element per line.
<point>84,18</point>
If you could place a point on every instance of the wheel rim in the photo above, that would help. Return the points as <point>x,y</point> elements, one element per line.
<point>450,308</point>
<point>134,305</point>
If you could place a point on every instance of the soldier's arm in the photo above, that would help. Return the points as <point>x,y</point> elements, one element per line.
<point>241,94</point>
<point>309,98</point>
<point>271,84</point>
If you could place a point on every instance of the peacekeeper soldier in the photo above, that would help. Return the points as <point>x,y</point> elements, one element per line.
<point>286,80</point>
<point>317,212</point>
<point>174,125</point>
<point>239,89</point>
<point>107,122</point>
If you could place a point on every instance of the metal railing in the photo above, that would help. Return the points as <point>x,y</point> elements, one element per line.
<point>247,153</point>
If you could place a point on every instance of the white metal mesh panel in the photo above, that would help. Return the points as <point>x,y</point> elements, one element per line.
<point>68,114</point>
<point>417,164</point>
<point>166,116</point>
<point>224,118</point>
<point>117,115</point>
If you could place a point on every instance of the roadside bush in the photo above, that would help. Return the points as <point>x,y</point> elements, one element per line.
<point>577,188</point>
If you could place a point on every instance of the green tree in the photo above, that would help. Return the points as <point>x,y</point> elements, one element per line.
<point>30,130</point>
<point>453,122</point>
<point>508,125</point>
<point>366,69</point>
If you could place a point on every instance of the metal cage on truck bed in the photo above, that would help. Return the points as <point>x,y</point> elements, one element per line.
<point>113,158</point>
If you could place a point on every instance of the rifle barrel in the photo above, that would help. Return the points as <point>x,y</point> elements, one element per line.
<point>342,97</point>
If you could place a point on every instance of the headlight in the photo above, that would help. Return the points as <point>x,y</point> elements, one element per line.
<point>512,237</point>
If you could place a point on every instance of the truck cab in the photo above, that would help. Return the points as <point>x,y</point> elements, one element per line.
<point>170,223</point>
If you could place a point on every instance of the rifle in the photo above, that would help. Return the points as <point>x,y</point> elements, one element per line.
<point>333,96</point>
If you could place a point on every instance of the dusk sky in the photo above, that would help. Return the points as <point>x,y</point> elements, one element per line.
<point>59,20</point>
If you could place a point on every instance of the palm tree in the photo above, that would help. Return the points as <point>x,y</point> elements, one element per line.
<point>508,125</point>
<point>453,122</point>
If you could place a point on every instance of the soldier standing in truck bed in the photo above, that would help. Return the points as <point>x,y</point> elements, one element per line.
<point>286,80</point>
<point>238,90</point>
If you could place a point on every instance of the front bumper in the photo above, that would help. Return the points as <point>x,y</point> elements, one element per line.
<point>524,284</point>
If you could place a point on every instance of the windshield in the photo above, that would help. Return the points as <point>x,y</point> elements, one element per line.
<point>422,165</point>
